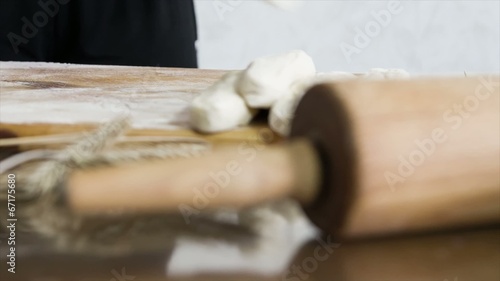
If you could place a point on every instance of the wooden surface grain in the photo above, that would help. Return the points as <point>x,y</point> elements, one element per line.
<point>46,98</point>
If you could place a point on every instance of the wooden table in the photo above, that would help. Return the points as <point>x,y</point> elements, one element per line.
<point>44,99</point>
<point>468,255</point>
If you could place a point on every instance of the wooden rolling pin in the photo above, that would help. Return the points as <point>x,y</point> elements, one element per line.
<point>365,159</point>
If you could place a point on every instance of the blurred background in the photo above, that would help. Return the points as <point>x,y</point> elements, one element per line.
<point>425,37</point>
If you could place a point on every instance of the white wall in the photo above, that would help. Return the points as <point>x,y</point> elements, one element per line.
<point>424,37</point>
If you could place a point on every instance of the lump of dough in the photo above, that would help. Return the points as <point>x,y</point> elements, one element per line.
<point>268,79</point>
<point>334,76</point>
<point>282,113</point>
<point>220,107</point>
<point>396,74</point>
<point>283,110</point>
<point>381,74</point>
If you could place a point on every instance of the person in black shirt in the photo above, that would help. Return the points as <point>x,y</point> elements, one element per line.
<point>117,32</point>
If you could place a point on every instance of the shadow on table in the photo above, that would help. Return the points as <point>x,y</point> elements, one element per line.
<point>468,255</point>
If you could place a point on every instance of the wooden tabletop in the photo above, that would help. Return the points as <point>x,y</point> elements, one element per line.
<point>47,98</point>
<point>459,256</point>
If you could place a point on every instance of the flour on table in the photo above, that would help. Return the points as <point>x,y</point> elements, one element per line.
<point>53,93</point>
<point>381,74</point>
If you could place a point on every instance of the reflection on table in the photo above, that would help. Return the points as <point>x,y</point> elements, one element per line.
<point>453,256</point>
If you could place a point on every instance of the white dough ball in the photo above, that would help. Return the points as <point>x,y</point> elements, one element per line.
<point>382,74</point>
<point>375,74</point>
<point>220,107</point>
<point>268,79</point>
<point>397,74</point>
<point>282,113</point>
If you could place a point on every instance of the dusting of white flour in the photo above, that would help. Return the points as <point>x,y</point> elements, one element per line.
<point>156,98</point>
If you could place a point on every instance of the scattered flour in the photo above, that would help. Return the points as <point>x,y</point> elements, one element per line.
<point>156,98</point>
